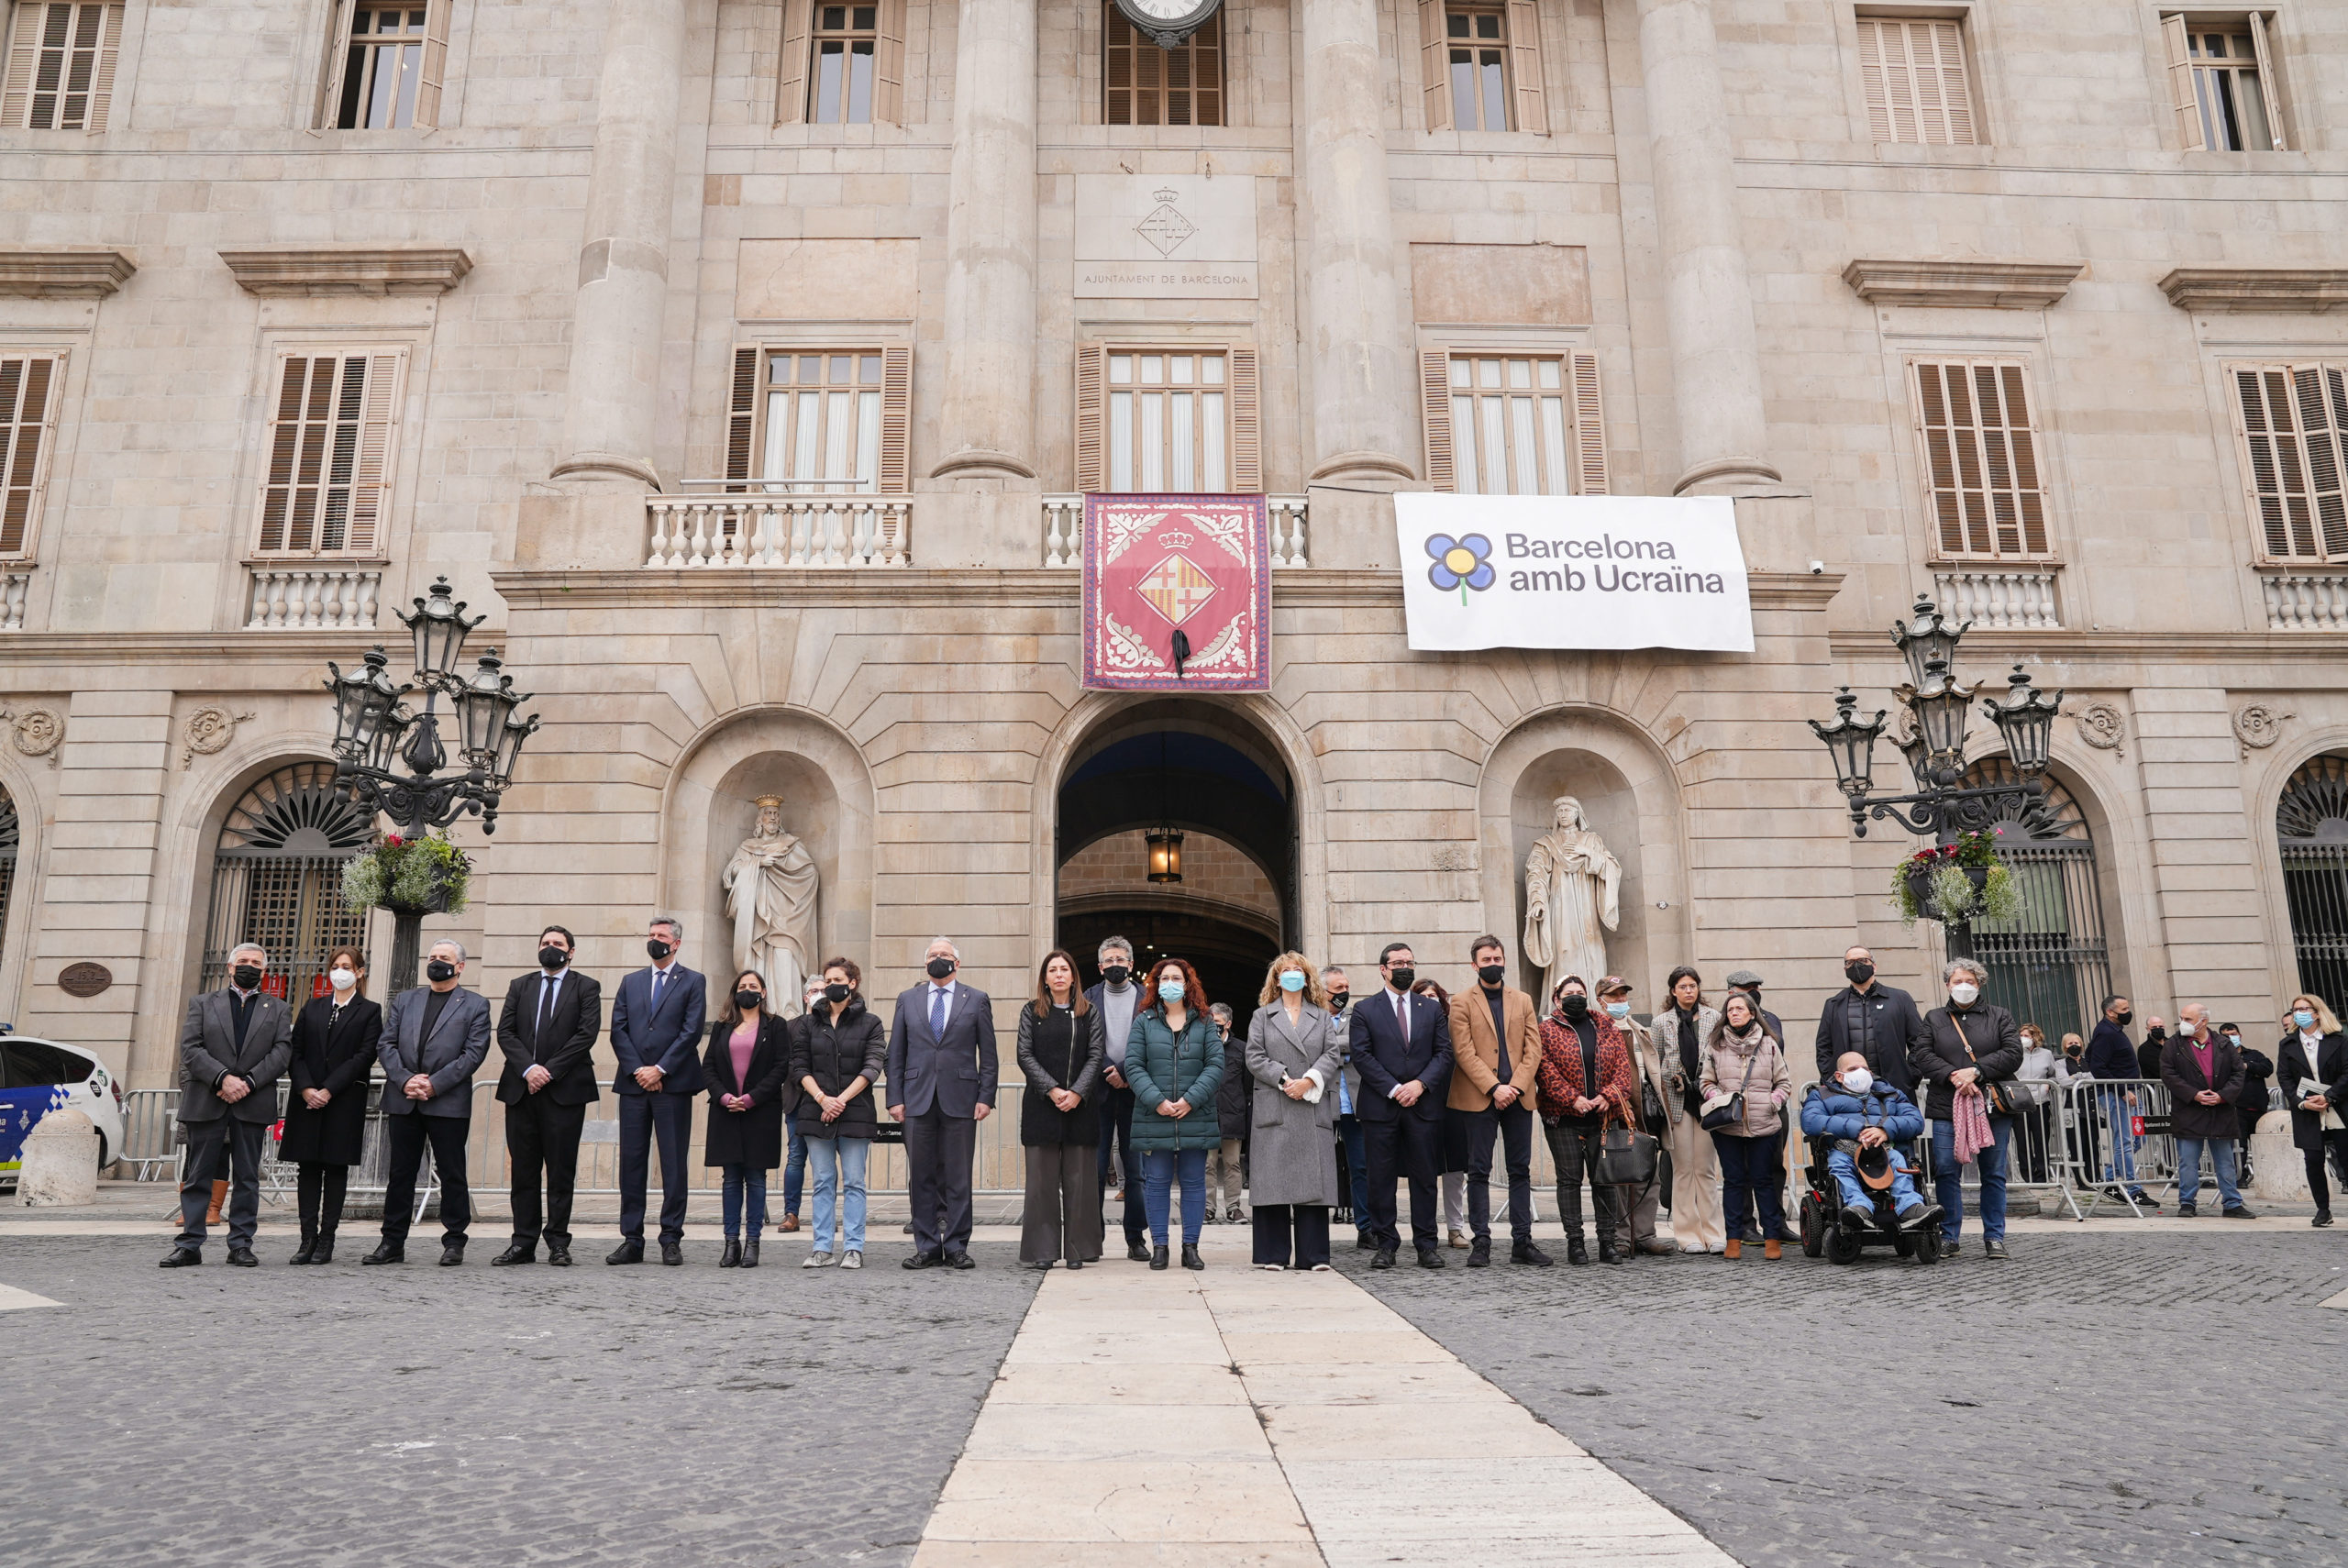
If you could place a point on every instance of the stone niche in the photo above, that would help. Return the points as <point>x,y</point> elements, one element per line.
<point>826,803</point>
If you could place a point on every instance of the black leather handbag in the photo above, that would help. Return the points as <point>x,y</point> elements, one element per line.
<point>2001,1099</point>
<point>1626,1157</point>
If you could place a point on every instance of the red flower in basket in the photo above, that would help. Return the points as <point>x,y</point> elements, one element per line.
<point>392,840</point>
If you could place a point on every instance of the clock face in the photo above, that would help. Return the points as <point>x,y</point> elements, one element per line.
<point>1168,10</point>
<point>1169,21</point>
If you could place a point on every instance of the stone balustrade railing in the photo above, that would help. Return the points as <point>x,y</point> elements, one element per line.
<point>2305,601</point>
<point>1064,530</point>
<point>13,584</point>
<point>2018,600</point>
<point>313,598</point>
<point>847,529</point>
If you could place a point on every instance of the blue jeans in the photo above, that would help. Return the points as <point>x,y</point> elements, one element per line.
<point>2189,1169</point>
<point>1855,1192</point>
<point>795,1166</point>
<point>738,1177</point>
<point>1357,1168</point>
<point>838,1161</point>
<point>1749,1181</point>
<point>2118,1119</point>
<point>1948,1180</point>
<point>1159,1168</point>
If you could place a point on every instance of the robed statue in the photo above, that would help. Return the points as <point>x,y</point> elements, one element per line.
<point>771,894</point>
<point>1573,888</point>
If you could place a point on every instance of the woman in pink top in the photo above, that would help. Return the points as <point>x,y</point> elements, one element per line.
<point>748,1049</point>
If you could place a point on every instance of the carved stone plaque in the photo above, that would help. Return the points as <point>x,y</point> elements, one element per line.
<point>1177,236</point>
<point>84,979</point>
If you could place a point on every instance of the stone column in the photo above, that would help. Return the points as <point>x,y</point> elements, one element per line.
<point>1708,295</point>
<point>612,399</point>
<point>988,416</point>
<point>1356,341</point>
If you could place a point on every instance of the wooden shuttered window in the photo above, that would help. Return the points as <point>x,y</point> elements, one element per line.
<point>1981,459</point>
<point>1918,88</point>
<point>1530,103</point>
<point>2224,85</point>
<point>1142,84</point>
<point>29,394</point>
<point>1480,66</point>
<point>60,74</point>
<point>2292,420</point>
<point>1091,418</point>
<point>1501,423</point>
<point>1169,418</point>
<point>333,437</point>
<point>841,64</point>
<point>820,421</point>
<point>387,63</point>
<point>742,414</point>
<point>1434,65</point>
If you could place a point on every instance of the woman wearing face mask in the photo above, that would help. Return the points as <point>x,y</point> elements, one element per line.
<point>837,1049</point>
<point>2037,1070</point>
<point>1292,1124</point>
<point>1174,1061</point>
<point>1969,1045</point>
<point>1649,1079</point>
<point>1062,1043</point>
<point>748,1050</point>
<point>335,1038</point>
<point>1584,1082</point>
<point>1742,1057</point>
<point>1679,1035</point>
<point>2312,1063</point>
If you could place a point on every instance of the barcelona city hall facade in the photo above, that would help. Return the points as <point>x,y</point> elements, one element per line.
<point>747,361</point>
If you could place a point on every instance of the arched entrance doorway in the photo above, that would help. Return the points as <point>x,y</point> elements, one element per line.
<point>277,878</point>
<point>2311,827</point>
<point>2051,964</point>
<point>1200,770</point>
<point>11,836</point>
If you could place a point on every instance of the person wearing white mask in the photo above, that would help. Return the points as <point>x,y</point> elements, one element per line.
<point>1860,1112</point>
<point>335,1038</point>
<point>1295,1062</point>
<point>2312,1064</point>
<point>1970,1046</point>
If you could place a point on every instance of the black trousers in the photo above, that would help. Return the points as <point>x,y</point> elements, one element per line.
<point>643,1117</point>
<point>937,1177</point>
<point>1512,1129</point>
<point>1409,1146</point>
<point>407,1135</point>
<point>2335,1143</point>
<point>541,1135</point>
<point>1574,1147</point>
<point>319,1188</point>
<point>209,1144</point>
<point>1117,1133</point>
<point>1305,1225</point>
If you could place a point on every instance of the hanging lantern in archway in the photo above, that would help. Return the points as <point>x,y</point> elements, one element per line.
<point>1165,853</point>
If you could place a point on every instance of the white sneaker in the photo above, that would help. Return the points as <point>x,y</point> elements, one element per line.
<point>854,1259</point>
<point>1273,1267</point>
<point>818,1260</point>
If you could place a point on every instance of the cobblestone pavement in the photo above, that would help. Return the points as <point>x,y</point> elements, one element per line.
<point>422,1415</point>
<point>2095,1400</point>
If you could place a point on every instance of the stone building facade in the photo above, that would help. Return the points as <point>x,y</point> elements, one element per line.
<point>742,360</point>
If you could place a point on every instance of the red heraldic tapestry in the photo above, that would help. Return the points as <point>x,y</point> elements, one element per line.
<point>1177,593</point>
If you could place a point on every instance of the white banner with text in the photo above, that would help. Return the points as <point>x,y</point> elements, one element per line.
<point>1572,571</point>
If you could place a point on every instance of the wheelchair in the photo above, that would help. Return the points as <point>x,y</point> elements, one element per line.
<point>1824,1233</point>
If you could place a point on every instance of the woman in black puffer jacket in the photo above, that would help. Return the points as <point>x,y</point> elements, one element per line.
<point>836,1054</point>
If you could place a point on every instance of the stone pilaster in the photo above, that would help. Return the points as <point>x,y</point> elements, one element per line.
<point>1357,342</point>
<point>987,432</point>
<point>1708,295</point>
<point>2213,929</point>
<point>612,398</point>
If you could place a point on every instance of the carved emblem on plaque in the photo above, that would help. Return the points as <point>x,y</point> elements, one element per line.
<point>209,731</point>
<point>1163,226</point>
<point>2102,726</point>
<point>37,731</point>
<point>2258,725</point>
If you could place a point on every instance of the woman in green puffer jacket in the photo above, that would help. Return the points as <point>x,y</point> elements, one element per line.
<point>1174,1062</point>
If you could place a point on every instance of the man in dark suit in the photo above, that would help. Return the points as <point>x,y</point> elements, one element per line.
<point>941,1085</point>
<point>435,1038</point>
<point>1401,1044</point>
<point>547,1031</point>
<point>1118,998</point>
<point>233,1047</point>
<point>655,1033</point>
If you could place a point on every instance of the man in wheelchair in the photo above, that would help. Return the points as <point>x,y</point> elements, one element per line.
<point>1868,1121</point>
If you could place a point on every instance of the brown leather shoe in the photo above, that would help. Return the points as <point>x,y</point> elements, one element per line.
<point>1772,1250</point>
<point>1735,1249</point>
<point>790,1222</point>
<point>219,1197</point>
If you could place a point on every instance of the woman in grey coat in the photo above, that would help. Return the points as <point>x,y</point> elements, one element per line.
<point>1292,1160</point>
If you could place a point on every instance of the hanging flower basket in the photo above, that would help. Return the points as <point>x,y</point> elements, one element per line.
<point>1956,883</point>
<point>410,876</point>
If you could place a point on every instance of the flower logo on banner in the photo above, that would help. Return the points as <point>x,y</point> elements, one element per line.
<point>1462,563</point>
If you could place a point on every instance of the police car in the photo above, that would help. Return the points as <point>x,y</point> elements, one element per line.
<point>38,1076</point>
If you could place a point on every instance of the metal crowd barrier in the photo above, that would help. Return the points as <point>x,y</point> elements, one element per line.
<point>151,1138</point>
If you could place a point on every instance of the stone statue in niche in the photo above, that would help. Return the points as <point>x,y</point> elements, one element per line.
<point>770,886</point>
<point>1573,888</point>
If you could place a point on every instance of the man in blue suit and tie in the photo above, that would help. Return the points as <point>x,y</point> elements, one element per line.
<point>1402,1046</point>
<point>941,1085</point>
<point>656,1033</point>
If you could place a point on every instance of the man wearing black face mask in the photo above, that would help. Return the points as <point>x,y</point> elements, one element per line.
<point>1496,1046</point>
<point>546,1032</point>
<point>435,1037</point>
<point>1879,1021</point>
<point>1118,998</point>
<point>2110,1057</point>
<point>234,1045</point>
<point>1401,1044</point>
<point>657,1034</point>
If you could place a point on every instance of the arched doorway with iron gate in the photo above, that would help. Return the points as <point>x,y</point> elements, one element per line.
<point>277,878</point>
<point>2311,833</point>
<point>2051,964</point>
<point>11,837</point>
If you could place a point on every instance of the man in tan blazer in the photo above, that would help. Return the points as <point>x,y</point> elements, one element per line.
<point>1496,1039</point>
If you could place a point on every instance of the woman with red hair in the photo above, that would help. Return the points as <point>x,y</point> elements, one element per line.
<point>1174,1062</point>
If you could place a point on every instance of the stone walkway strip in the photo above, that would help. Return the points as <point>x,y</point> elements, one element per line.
<point>1246,1419</point>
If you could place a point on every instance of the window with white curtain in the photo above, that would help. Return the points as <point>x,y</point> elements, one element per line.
<point>823,420</point>
<point>1168,422</point>
<point>1511,422</point>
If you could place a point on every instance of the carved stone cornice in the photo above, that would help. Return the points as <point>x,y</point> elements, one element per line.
<point>2258,290</point>
<point>26,272</point>
<point>1981,285</point>
<point>340,271</point>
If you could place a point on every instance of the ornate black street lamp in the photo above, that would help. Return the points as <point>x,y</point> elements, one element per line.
<point>391,759</point>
